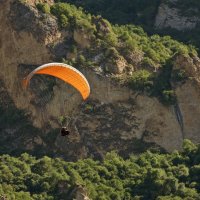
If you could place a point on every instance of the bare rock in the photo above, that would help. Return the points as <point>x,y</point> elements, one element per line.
<point>168,16</point>
<point>188,95</point>
<point>34,2</point>
<point>117,66</point>
<point>81,194</point>
<point>191,65</point>
<point>135,58</point>
<point>26,17</point>
<point>157,124</point>
<point>38,140</point>
<point>81,38</point>
<point>102,25</point>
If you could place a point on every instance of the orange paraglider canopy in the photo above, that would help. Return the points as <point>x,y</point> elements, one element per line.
<point>64,72</point>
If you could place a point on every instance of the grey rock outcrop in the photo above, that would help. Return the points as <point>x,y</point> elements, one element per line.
<point>171,17</point>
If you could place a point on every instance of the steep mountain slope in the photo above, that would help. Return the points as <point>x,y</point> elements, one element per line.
<point>176,17</point>
<point>115,116</point>
<point>179,15</point>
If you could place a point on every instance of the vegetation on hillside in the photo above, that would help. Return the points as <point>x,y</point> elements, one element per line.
<point>152,176</point>
<point>107,45</point>
<point>143,13</point>
<point>121,11</point>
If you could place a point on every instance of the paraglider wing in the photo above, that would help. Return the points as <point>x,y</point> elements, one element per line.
<point>64,72</point>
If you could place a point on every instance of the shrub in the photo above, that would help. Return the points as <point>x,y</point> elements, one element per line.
<point>81,60</point>
<point>44,7</point>
<point>168,97</point>
<point>141,80</point>
<point>85,25</point>
<point>63,20</point>
<point>111,39</point>
<point>179,75</point>
<point>148,62</point>
<point>111,53</point>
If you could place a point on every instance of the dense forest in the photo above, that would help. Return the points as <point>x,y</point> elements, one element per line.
<point>149,176</point>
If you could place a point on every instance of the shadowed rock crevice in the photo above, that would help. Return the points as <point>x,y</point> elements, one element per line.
<point>179,117</point>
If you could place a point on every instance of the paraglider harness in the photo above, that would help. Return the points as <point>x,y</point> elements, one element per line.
<point>64,131</point>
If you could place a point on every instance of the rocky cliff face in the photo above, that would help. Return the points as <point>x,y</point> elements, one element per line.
<point>170,16</point>
<point>113,118</point>
<point>188,96</point>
